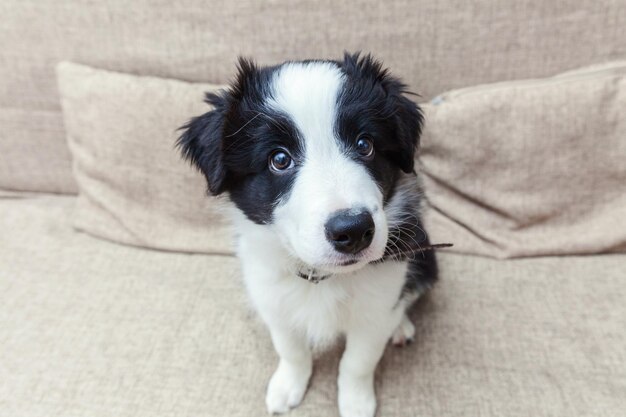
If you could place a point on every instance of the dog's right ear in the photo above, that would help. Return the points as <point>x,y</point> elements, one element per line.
<point>201,142</point>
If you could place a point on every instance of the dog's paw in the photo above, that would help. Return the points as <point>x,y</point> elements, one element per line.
<point>356,397</point>
<point>404,334</point>
<point>286,388</point>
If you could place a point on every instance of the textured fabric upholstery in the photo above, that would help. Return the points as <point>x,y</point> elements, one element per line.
<point>135,188</point>
<point>530,167</point>
<point>89,327</point>
<point>434,45</point>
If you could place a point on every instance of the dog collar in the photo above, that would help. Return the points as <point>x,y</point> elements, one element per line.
<point>311,274</point>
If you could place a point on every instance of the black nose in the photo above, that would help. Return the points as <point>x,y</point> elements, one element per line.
<point>350,232</point>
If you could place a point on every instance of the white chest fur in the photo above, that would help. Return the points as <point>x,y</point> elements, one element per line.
<point>323,311</point>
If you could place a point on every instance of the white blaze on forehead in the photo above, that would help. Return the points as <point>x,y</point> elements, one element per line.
<point>308,93</point>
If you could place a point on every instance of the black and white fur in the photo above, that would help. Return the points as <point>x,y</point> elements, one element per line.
<point>312,114</point>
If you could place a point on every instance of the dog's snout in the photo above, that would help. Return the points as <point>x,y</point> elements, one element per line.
<point>350,232</point>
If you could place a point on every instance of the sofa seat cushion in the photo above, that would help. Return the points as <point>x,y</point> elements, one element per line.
<point>89,327</point>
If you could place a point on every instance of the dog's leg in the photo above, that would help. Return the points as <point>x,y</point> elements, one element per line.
<point>289,382</point>
<point>404,333</point>
<point>365,345</point>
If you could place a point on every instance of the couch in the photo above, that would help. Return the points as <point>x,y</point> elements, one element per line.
<point>93,327</point>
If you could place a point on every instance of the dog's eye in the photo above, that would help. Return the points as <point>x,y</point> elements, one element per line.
<point>365,146</point>
<point>280,160</point>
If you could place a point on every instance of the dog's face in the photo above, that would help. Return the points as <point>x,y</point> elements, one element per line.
<point>312,150</point>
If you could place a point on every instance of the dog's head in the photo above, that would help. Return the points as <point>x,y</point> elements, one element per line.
<point>312,150</point>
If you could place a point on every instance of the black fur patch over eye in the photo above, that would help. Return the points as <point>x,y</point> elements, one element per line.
<point>373,101</point>
<point>231,144</point>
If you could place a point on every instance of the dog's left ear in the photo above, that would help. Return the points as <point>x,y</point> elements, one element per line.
<point>406,114</point>
<point>409,120</point>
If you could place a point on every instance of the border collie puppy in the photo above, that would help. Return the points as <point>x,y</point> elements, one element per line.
<point>317,157</point>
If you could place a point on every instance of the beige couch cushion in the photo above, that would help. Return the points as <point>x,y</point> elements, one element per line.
<point>91,328</point>
<point>134,186</point>
<point>435,45</point>
<point>533,167</point>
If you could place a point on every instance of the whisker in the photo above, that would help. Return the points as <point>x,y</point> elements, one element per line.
<point>245,124</point>
<point>274,122</point>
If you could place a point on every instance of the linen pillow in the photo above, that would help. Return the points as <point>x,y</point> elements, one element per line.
<point>134,188</point>
<point>532,167</point>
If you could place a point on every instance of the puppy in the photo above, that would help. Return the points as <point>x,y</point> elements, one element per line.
<point>317,157</point>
